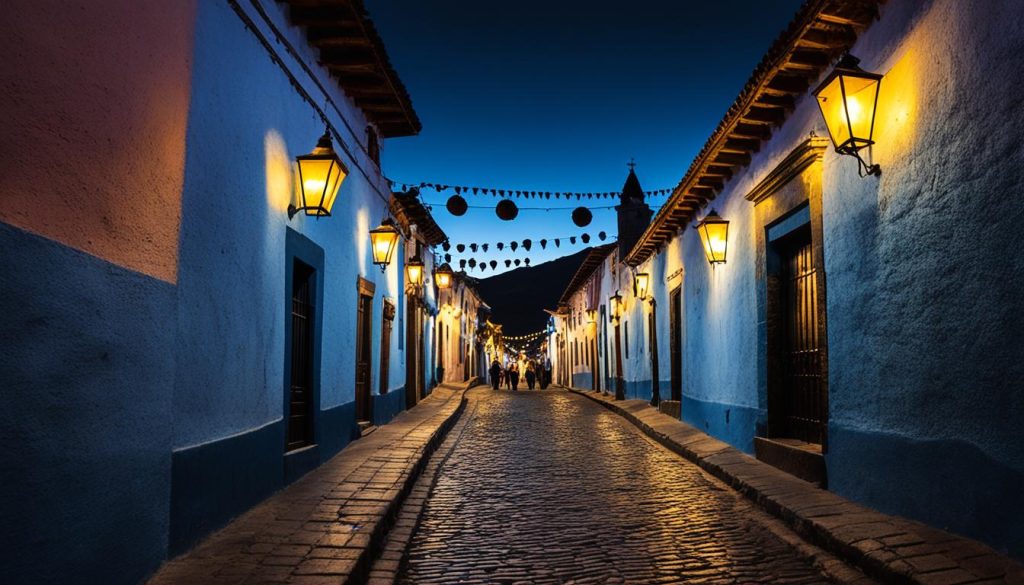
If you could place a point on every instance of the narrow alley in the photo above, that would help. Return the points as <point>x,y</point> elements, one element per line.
<point>549,487</point>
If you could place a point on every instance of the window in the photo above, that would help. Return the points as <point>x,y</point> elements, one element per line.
<point>300,399</point>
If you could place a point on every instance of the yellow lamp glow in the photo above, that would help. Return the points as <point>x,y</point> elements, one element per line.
<point>414,271</point>
<point>848,98</point>
<point>383,240</point>
<point>641,284</point>
<point>714,234</point>
<point>615,306</point>
<point>591,316</point>
<point>321,173</point>
<point>443,276</point>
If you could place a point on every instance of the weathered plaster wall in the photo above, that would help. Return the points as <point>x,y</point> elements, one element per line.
<point>248,121</point>
<point>91,167</point>
<point>94,126</point>
<point>923,301</point>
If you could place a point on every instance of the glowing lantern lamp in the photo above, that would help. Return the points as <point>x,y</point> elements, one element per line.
<point>383,240</point>
<point>714,234</point>
<point>848,98</point>
<point>321,173</point>
<point>641,284</point>
<point>615,306</point>
<point>443,276</point>
<point>414,271</point>
<point>591,316</point>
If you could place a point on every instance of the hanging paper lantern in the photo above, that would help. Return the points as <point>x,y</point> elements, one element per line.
<point>484,247</point>
<point>581,216</point>
<point>457,205</point>
<point>473,247</point>
<point>543,244</point>
<point>494,264</point>
<point>501,245</point>
<point>506,209</point>
<point>513,245</point>
<point>572,240</point>
<point>460,248</point>
<point>585,238</point>
<point>472,262</point>
<point>517,262</point>
<point>557,242</point>
<point>601,236</point>
<point>446,245</point>
<point>508,263</point>
<point>527,244</point>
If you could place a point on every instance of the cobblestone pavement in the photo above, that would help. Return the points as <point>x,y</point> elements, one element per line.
<point>548,487</point>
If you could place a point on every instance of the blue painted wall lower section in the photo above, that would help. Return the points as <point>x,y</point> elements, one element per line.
<point>387,406</point>
<point>582,381</point>
<point>86,376</point>
<point>978,496</point>
<point>731,423</point>
<point>216,481</point>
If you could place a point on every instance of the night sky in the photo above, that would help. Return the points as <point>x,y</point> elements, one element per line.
<point>558,95</point>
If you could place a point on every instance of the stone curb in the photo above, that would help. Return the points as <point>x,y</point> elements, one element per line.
<point>293,536</point>
<point>889,548</point>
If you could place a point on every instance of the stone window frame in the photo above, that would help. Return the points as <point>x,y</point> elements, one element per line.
<point>794,183</point>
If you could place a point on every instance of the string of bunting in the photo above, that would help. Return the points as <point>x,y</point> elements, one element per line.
<point>527,337</point>
<point>520,193</point>
<point>527,244</point>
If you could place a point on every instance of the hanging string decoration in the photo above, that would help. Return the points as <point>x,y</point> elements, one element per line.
<point>572,240</point>
<point>448,258</point>
<point>501,246</point>
<point>585,238</point>
<point>484,247</point>
<point>516,262</point>
<point>527,244</point>
<point>462,264</point>
<point>457,205</point>
<point>472,262</point>
<point>460,248</point>
<point>506,210</point>
<point>473,247</point>
<point>494,264</point>
<point>543,244</point>
<point>582,217</point>
<point>522,194</point>
<point>601,236</point>
<point>508,263</point>
<point>526,261</point>
<point>446,245</point>
<point>513,245</point>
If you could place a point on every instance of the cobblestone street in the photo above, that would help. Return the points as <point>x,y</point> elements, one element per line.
<point>548,487</point>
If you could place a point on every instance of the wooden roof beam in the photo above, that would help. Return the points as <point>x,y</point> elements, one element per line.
<point>321,16</point>
<point>835,39</point>
<point>740,146</point>
<point>789,83</point>
<point>735,159</point>
<point>719,171</point>
<point>784,101</point>
<point>771,116</point>
<point>751,131</point>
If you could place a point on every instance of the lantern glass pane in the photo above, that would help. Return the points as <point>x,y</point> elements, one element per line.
<point>714,235</point>
<point>414,273</point>
<point>383,244</point>
<point>444,280</point>
<point>830,100</point>
<point>643,281</point>
<point>861,93</point>
<point>314,173</point>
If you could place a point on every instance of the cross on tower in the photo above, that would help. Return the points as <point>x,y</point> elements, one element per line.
<point>632,163</point>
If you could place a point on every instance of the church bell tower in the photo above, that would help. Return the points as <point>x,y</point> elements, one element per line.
<point>634,214</point>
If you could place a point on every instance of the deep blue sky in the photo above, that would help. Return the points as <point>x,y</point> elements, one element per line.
<point>559,94</point>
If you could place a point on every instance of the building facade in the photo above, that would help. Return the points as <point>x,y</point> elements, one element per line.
<point>195,347</point>
<point>461,331</point>
<point>865,327</point>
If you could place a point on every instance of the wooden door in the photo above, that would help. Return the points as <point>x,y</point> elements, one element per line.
<point>675,341</point>
<point>803,399</point>
<point>653,345</point>
<point>387,322</point>
<point>412,335</point>
<point>364,325</point>
<point>300,398</point>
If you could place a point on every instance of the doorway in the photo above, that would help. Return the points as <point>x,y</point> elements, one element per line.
<point>364,335</point>
<point>300,396</point>
<point>798,400</point>
<point>387,324</point>
<point>675,336</point>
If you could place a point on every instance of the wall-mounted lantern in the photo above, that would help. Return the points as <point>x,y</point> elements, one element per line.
<point>383,240</point>
<point>443,276</point>
<point>714,235</point>
<point>848,98</point>
<point>615,306</point>
<point>641,284</point>
<point>414,272</point>
<point>591,316</point>
<point>321,173</point>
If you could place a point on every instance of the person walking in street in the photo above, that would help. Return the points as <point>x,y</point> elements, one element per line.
<point>495,372</point>
<point>513,377</point>
<point>531,375</point>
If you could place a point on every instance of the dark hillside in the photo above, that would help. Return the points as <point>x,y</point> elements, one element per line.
<point>518,297</point>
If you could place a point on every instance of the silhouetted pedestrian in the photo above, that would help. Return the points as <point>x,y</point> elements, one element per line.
<point>495,372</point>
<point>531,376</point>
<point>513,377</point>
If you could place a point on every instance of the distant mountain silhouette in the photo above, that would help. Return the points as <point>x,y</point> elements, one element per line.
<point>518,297</point>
